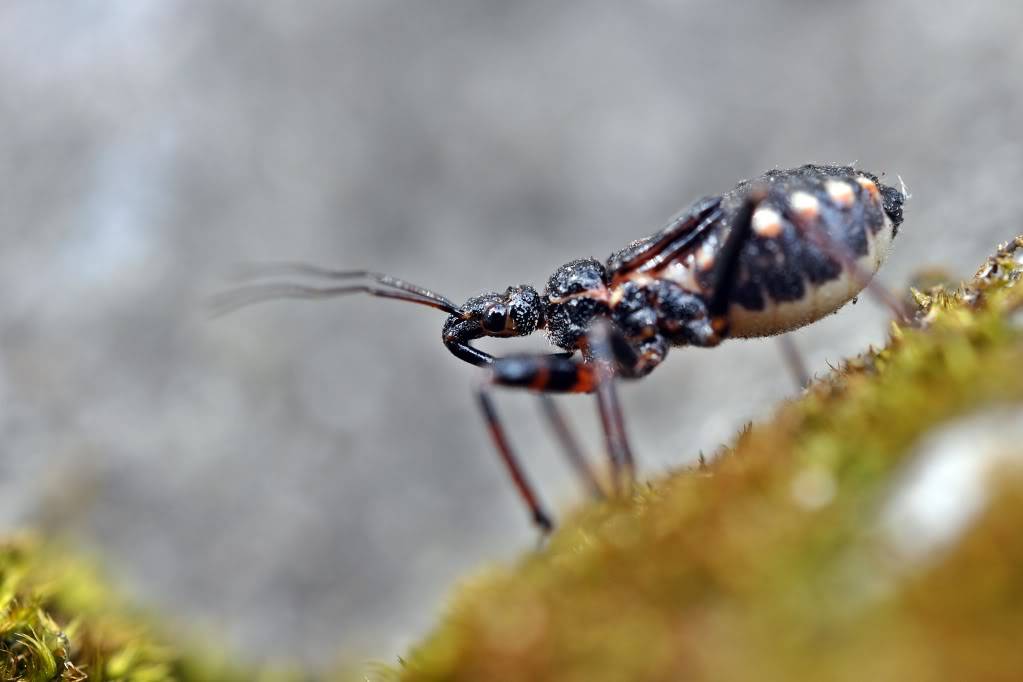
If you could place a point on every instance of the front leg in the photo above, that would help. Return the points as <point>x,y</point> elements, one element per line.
<point>545,374</point>
<point>608,354</point>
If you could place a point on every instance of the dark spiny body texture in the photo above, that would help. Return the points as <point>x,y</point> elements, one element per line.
<point>783,279</point>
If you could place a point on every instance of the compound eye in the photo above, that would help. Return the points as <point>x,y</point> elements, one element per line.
<point>494,319</point>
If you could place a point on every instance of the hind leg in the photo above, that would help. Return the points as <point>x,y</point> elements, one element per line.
<point>794,361</point>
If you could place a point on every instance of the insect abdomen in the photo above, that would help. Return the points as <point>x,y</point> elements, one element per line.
<point>784,279</point>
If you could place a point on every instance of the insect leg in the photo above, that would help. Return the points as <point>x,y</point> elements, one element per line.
<point>564,374</point>
<point>793,360</point>
<point>526,491</point>
<point>726,265</point>
<point>570,446</point>
<point>557,373</point>
<point>608,348</point>
<point>458,337</point>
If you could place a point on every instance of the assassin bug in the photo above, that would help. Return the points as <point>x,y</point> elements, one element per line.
<point>773,254</point>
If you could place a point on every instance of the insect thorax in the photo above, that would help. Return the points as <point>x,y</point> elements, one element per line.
<point>576,294</point>
<point>646,310</point>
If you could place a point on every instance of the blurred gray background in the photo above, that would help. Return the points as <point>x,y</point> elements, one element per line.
<point>313,477</point>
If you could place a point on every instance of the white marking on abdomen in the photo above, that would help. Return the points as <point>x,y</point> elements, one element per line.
<point>818,299</point>
<point>766,222</point>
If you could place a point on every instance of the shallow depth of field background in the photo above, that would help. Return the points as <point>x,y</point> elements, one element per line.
<point>312,477</point>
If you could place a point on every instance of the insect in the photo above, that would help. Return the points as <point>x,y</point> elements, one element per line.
<point>773,254</point>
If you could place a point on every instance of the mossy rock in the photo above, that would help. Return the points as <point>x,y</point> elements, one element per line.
<point>60,620</point>
<point>872,530</point>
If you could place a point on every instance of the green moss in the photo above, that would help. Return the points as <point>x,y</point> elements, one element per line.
<point>771,563</point>
<point>59,621</point>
